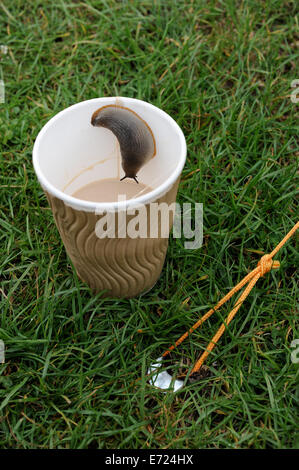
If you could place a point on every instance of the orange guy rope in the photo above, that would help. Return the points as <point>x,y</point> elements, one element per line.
<point>264,266</point>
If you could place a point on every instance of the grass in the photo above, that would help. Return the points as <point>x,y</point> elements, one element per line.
<point>75,370</point>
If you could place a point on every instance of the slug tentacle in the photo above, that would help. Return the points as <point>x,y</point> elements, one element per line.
<point>134,178</point>
<point>135,137</point>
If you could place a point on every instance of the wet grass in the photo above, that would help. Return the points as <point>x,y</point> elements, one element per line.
<point>75,370</point>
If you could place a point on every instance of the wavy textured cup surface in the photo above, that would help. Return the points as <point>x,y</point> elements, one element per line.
<point>69,153</point>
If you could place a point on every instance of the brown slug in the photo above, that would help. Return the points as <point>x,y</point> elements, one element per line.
<point>135,137</point>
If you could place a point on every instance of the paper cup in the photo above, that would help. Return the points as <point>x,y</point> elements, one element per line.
<point>68,154</point>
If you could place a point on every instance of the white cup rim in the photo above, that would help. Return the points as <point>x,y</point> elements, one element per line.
<point>99,207</point>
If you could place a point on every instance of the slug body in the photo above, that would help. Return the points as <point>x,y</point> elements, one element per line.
<point>135,137</point>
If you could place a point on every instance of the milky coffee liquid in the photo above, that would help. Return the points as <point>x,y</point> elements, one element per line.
<point>109,189</point>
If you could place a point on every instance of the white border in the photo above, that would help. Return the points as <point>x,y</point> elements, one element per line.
<point>87,206</point>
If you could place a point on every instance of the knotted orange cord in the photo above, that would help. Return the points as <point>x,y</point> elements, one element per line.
<point>264,266</point>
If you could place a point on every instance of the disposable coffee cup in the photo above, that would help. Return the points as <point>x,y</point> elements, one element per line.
<point>70,153</point>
